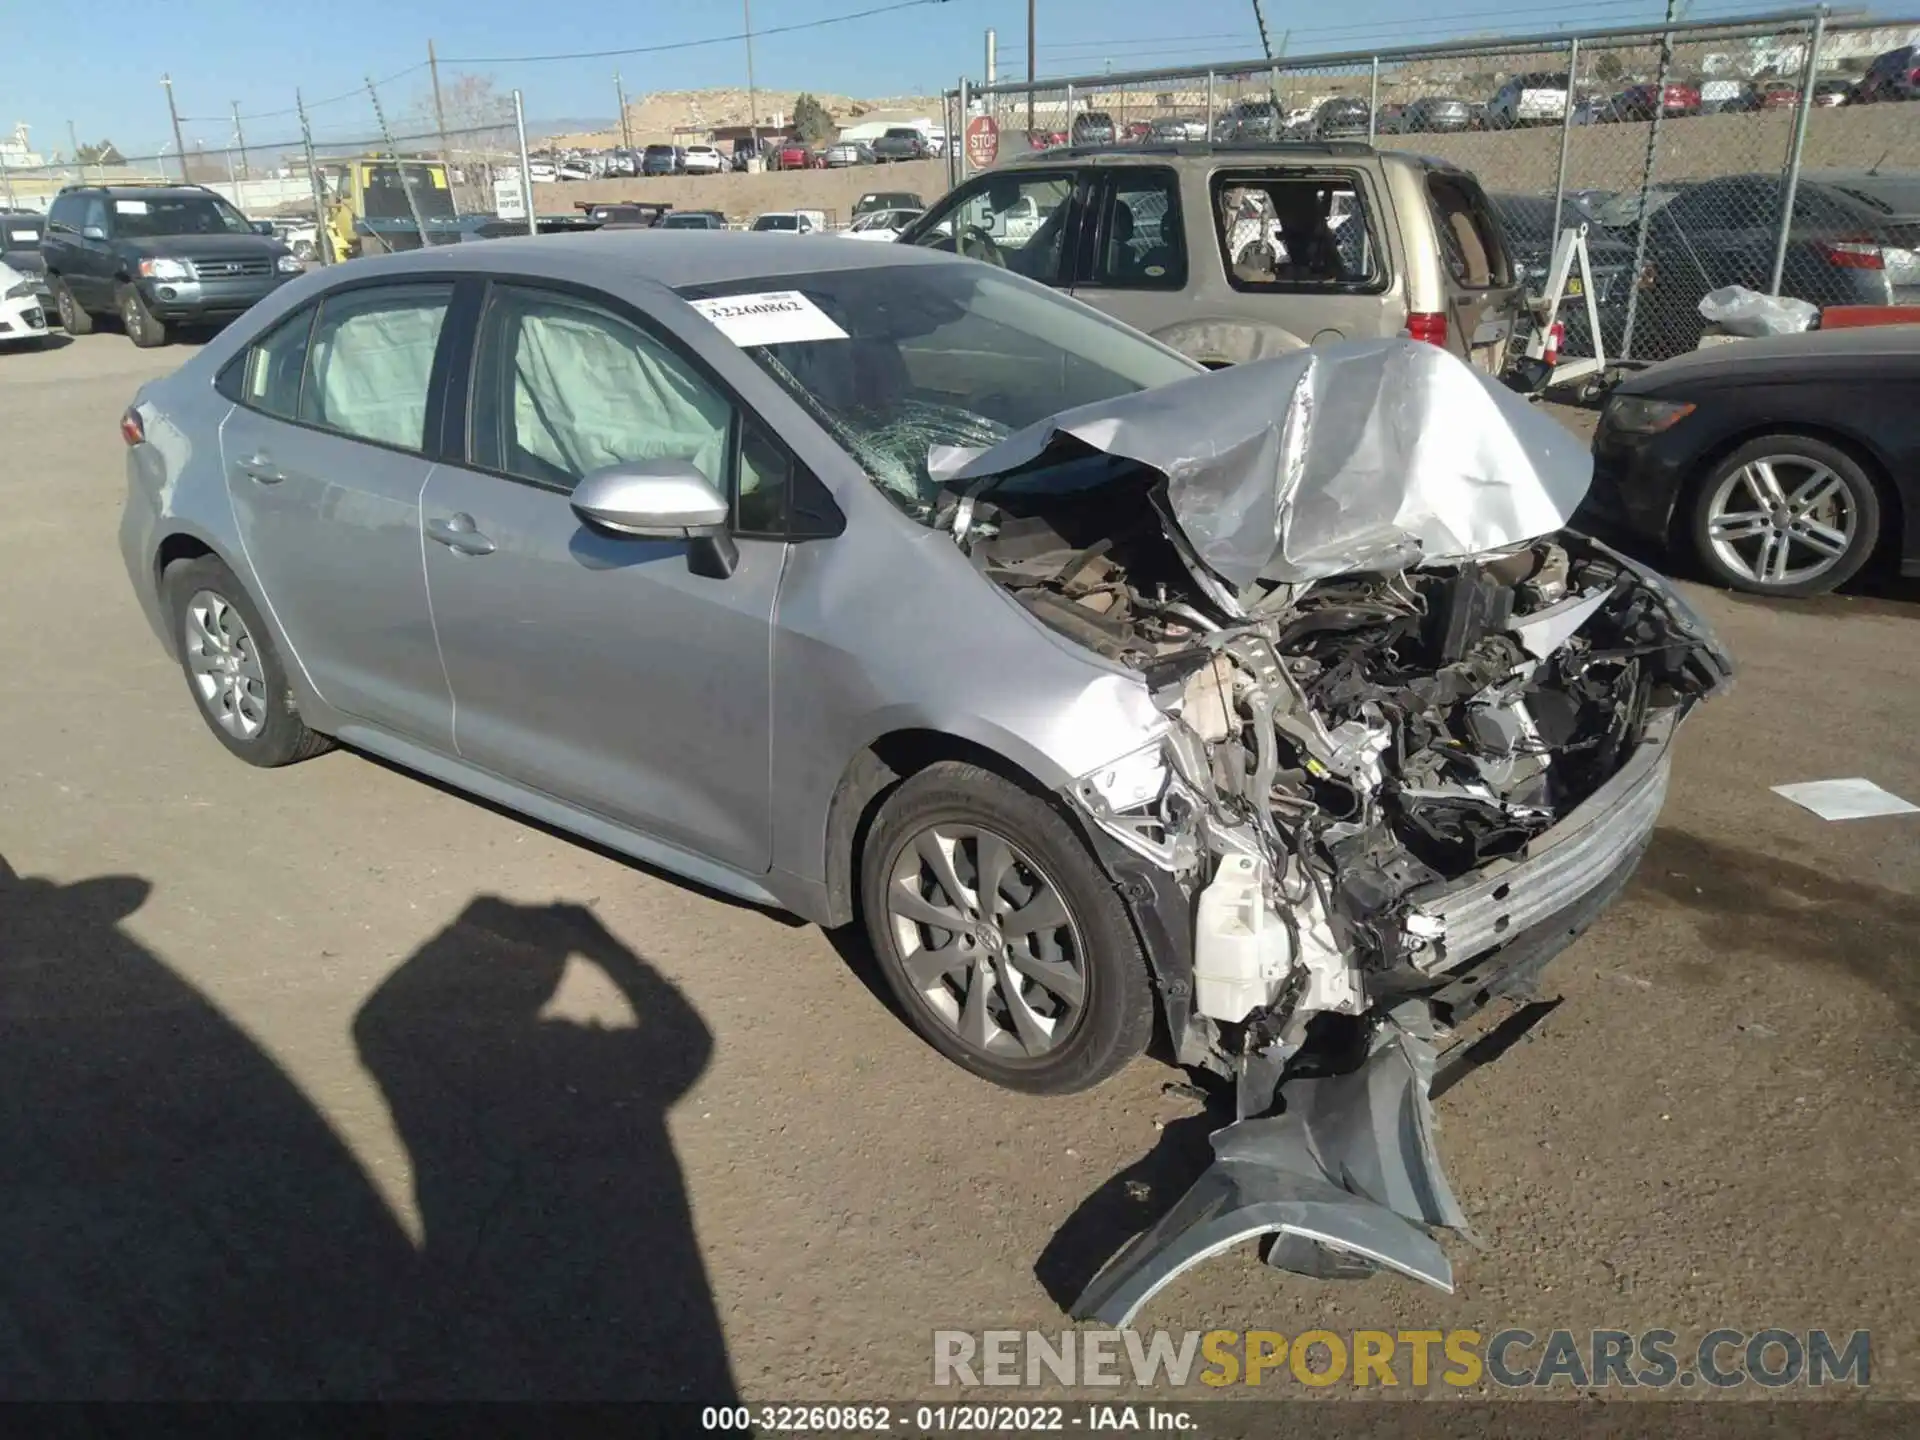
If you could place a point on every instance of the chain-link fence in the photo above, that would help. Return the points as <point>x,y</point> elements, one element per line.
<point>1747,151</point>
<point>383,182</point>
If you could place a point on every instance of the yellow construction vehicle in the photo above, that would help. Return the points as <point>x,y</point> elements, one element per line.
<point>376,204</point>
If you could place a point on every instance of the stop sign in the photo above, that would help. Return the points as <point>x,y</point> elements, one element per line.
<point>983,141</point>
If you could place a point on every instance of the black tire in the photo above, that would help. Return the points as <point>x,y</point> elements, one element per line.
<point>281,738</point>
<point>1859,495</point>
<point>146,330</point>
<point>1115,1019</point>
<point>73,319</point>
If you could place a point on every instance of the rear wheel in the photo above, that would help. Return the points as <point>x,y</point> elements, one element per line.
<point>1786,515</point>
<point>1000,936</point>
<point>238,684</point>
<point>143,328</point>
<point>73,319</point>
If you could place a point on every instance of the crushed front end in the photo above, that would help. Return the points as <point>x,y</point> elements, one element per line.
<point>1402,769</point>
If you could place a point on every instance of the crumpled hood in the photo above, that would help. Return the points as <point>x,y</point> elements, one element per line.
<point>1369,455</point>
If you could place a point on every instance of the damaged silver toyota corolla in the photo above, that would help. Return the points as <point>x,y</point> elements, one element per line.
<point>1275,706</point>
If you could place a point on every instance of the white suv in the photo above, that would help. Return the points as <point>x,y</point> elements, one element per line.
<point>703,160</point>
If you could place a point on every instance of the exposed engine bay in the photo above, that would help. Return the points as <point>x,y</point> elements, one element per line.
<point>1345,759</point>
<point>1416,738</point>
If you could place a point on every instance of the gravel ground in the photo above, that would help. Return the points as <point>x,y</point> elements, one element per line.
<point>326,1080</point>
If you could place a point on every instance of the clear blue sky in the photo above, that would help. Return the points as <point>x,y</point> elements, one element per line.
<point>257,51</point>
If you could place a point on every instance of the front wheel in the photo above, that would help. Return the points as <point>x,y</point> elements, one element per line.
<point>73,319</point>
<point>1000,936</point>
<point>143,327</point>
<point>1786,515</point>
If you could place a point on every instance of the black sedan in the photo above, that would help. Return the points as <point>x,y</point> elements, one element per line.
<point>1783,465</point>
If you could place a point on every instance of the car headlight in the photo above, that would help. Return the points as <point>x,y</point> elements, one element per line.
<point>1644,415</point>
<point>289,265</point>
<point>165,269</point>
<point>22,290</point>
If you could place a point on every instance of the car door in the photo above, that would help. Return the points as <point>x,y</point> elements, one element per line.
<point>90,271</point>
<point>324,452</point>
<point>599,669</point>
<point>1133,252</point>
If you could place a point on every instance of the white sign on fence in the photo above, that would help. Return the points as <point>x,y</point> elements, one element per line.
<point>509,200</point>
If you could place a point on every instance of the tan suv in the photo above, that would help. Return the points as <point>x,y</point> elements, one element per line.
<point>1233,253</point>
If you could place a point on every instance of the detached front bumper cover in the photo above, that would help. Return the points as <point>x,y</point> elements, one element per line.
<point>1348,1178</point>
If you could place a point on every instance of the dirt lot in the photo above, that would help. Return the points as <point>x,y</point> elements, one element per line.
<point>741,197</point>
<point>326,1081</point>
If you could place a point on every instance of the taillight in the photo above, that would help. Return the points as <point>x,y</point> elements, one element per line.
<point>1852,254</point>
<point>132,429</point>
<point>1427,325</point>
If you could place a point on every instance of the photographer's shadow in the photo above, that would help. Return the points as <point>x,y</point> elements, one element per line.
<point>560,1258</point>
<point>178,1221</point>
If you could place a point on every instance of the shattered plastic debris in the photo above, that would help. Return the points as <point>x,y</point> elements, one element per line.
<point>1366,456</point>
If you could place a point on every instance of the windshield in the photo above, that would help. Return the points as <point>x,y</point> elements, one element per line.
<point>945,354</point>
<point>386,191</point>
<point>178,215</point>
<point>776,222</point>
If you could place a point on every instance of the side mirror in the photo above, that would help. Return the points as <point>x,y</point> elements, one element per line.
<point>93,232</point>
<point>651,500</point>
<point>263,227</point>
<point>661,500</point>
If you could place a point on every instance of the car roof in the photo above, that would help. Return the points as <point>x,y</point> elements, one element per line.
<point>1200,150</point>
<point>1805,355</point>
<point>675,259</point>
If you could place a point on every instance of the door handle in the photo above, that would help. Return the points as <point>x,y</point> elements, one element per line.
<point>458,535</point>
<point>260,467</point>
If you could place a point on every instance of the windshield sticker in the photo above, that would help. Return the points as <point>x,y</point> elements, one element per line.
<point>777,317</point>
<point>129,207</point>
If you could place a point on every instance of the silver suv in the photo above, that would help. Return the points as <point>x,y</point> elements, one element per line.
<point>1234,253</point>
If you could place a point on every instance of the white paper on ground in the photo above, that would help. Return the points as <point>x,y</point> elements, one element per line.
<point>1850,799</point>
<point>774,317</point>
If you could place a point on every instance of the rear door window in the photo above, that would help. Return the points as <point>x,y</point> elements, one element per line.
<point>1303,232</point>
<point>370,362</point>
<point>1140,245</point>
<point>1470,237</point>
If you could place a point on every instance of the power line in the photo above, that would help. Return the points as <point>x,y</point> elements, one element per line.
<point>694,44</point>
<point>359,92</point>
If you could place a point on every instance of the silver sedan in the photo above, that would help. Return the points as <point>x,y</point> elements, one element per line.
<point>1270,706</point>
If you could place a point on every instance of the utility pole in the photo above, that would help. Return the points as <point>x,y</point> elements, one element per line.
<point>440,124</point>
<point>173,111</point>
<point>620,98</point>
<point>1273,76</point>
<point>324,230</point>
<point>74,141</point>
<point>240,139</point>
<point>1029,67</point>
<point>753,105</point>
<point>993,57</point>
